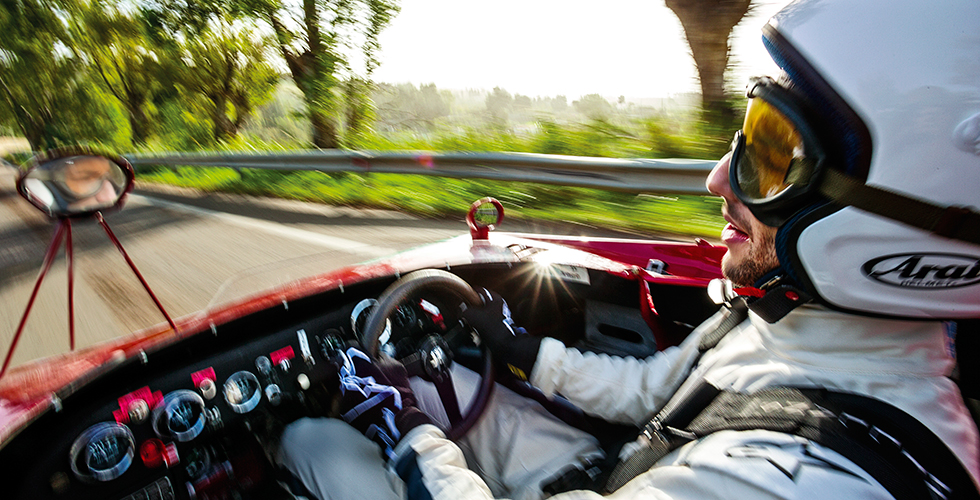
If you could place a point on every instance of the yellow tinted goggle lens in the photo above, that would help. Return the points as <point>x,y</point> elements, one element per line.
<point>772,152</point>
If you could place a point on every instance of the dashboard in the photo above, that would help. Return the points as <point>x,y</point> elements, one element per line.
<point>199,419</point>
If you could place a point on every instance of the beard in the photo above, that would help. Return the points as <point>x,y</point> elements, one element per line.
<point>749,267</point>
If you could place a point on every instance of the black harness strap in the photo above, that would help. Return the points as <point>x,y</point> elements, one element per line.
<point>898,451</point>
<point>677,413</point>
<point>958,223</point>
<point>594,475</point>
<point>736,312</point>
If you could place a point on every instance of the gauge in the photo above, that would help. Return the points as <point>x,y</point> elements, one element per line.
<point>405,316</point>
<point>102,452</point>
<point>242,391</point>
<point>264,365</point>
<point>180,415</point>
<point>359,317</point>
<point>198,462</point>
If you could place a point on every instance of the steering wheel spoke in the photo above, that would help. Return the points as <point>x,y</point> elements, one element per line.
<point>447,394</point>
<point>458,336</point>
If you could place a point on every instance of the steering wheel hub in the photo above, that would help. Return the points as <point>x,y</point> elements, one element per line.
<point>437,356</point>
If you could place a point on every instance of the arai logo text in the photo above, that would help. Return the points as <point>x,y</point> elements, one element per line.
<point>924,270</point>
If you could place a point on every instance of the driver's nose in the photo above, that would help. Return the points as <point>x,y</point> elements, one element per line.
<point>717,181</point>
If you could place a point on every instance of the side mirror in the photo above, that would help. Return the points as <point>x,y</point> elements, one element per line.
<point>75,183</point>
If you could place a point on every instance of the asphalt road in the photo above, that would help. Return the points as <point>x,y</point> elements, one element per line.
<point>188,245</point>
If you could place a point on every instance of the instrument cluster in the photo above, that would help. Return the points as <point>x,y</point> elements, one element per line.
<point>186,424</point>
<point>172,424</point>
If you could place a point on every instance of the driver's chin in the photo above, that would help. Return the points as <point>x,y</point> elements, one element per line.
<point>745,267</point>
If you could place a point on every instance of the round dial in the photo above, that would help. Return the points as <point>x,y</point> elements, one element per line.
<point>102,452</point>
<point>198,462</point>
<point>243,392</point>
<point>180,415</point>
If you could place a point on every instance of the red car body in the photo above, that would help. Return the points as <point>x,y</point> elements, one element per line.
<point>33,388</point>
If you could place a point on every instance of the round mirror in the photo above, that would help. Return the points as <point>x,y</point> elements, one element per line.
<point>70,185</point>
<point>485,215</point>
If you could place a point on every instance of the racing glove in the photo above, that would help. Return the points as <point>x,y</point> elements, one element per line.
<point>377,400</point>
<point>510,344</point>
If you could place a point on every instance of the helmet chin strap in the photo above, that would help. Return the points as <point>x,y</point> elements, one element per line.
<point>771,301</point>
<point>780,295</point>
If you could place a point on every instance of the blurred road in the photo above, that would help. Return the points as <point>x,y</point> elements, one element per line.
<point>187,244</point>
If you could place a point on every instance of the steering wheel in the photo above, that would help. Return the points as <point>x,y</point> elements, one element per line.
<point>433,359</point>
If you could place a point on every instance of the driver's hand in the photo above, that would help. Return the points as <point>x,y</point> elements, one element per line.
<point>509,343</point>
<point>377,400</point>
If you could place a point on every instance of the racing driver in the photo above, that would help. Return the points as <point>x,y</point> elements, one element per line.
<point>852,234</point>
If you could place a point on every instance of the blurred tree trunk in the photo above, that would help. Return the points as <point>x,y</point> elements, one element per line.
<point>226,65</point>
<point>119,51</point>
<point>311,35</point>
<point>708,26</point>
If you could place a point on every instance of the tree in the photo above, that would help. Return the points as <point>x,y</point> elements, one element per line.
<point>407,105</point>
<point>360,109</point>
<point>559,103</point>
<point>522,102</point>
<point>30,71</point>
<point>311,37</point>
<point>45,90</point>
<point>708,25</point>
<point>123,58</point>
<point>226,65</point>
<point>499,103</point>
<point>594,107</point>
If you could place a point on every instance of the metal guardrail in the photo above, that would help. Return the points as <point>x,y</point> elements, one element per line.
<point>669,176</point>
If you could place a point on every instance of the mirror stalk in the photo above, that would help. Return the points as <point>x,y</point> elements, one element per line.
<point>146,286</point>
<point>49,256</point>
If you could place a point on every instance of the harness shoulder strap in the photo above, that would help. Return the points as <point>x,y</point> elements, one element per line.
<point>898,451</point>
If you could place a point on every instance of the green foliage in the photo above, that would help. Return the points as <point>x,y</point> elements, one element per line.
<point>121,57</point>
<point>43,92</point>
<point>360,109</point>
<point>183,127</point>
<point>225,65</point>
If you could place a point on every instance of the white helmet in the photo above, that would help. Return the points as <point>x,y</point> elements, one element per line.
<point>879,142</point>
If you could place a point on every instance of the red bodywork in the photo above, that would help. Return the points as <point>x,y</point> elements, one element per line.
<point>31,389</point>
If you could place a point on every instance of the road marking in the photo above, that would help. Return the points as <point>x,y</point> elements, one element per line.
<point>301,235</point>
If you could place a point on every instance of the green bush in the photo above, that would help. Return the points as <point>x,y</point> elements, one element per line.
<point>659,137</point>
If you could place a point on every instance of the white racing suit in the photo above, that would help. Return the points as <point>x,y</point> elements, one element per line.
<point>904,363</point>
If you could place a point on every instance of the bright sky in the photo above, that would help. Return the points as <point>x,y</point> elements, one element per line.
<point>634,48</point>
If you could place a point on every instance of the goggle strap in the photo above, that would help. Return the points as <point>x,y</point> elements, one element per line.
<point>954,222</point>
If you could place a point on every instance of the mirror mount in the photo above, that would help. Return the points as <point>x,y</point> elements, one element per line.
<point>70,184</point>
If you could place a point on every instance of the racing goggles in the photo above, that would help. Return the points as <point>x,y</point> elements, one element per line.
<point>779,166</point>
<point>776,156</point>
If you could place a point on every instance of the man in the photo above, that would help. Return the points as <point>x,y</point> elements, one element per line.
<point>843,193</point>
